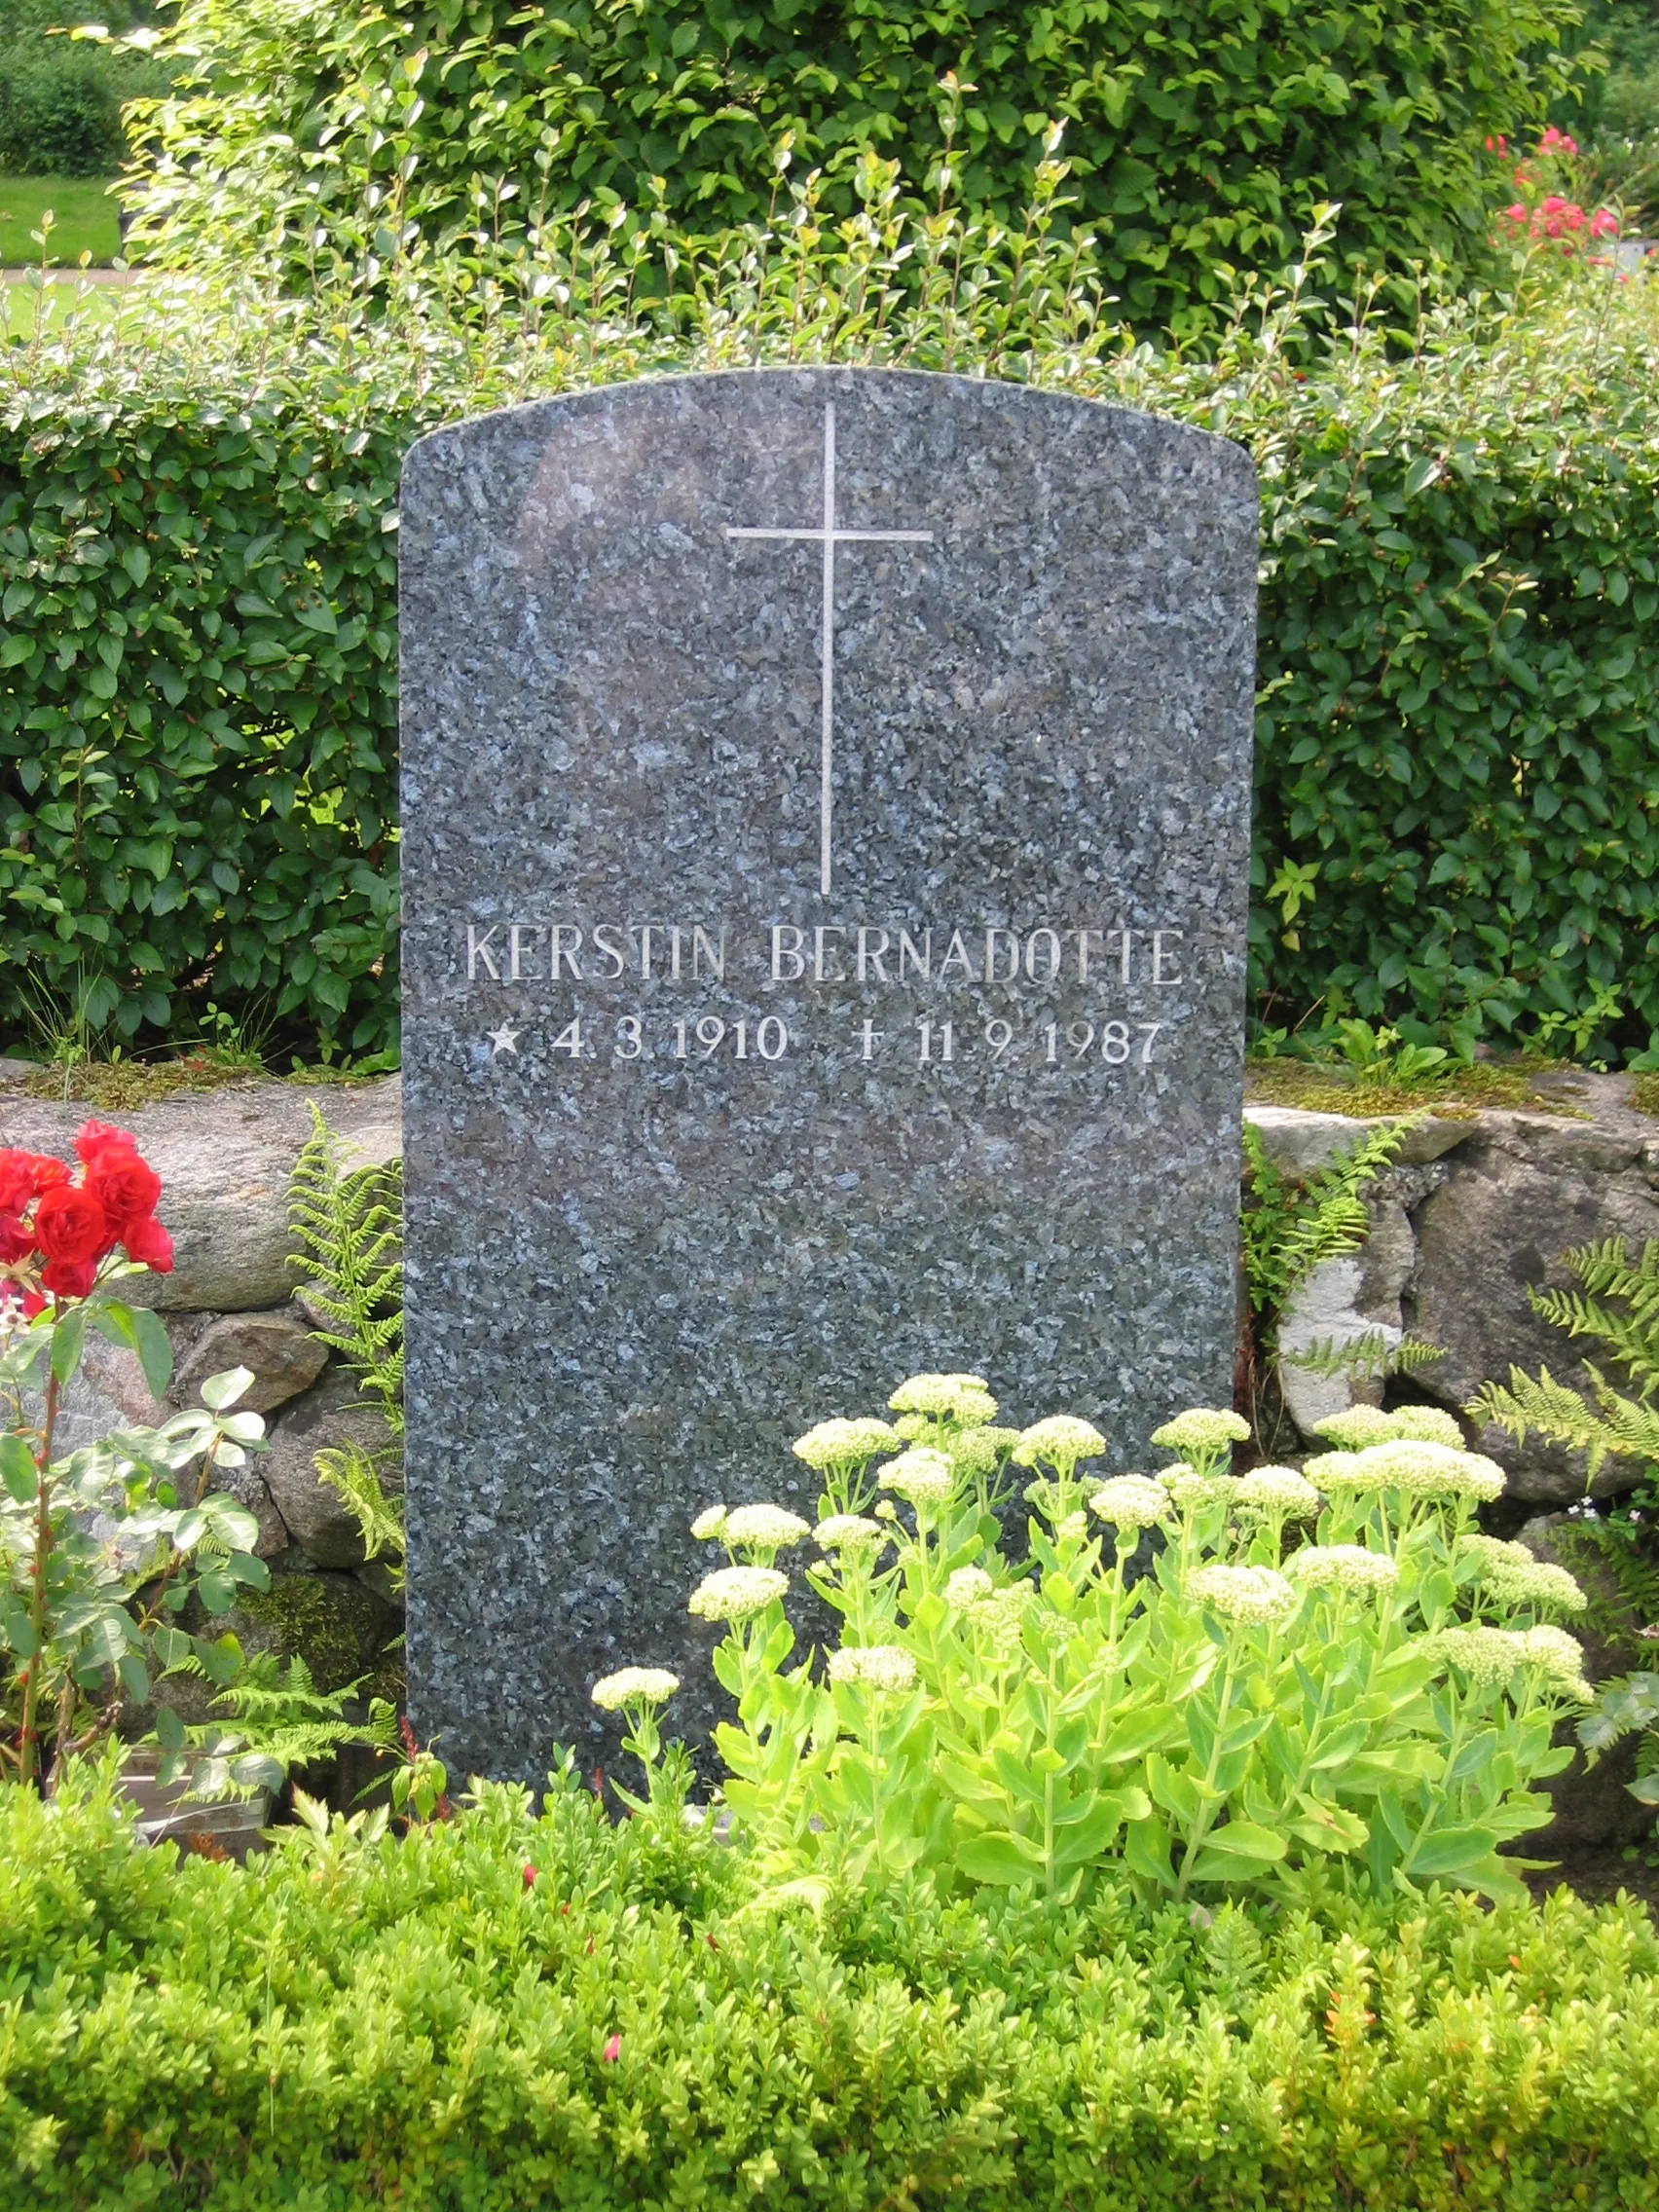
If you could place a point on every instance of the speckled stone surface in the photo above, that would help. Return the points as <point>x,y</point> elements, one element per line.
<point>692,1163</point>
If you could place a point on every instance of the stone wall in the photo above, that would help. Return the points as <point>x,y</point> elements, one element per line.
<point>233,1299</point>
<point>1475,1212</point>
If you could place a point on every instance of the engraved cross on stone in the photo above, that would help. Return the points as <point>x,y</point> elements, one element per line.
<point>829,534</point>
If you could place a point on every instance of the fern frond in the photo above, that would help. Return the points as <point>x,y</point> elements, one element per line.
<point>1623,1427</point>
<point>1605,1272</point>
<point>1369,1357</point>
<point>349,1470</point>
<point>347,1225</point>
<point>1289,1229</point>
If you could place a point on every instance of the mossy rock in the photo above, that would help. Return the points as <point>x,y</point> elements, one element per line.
<point>339,1627</point>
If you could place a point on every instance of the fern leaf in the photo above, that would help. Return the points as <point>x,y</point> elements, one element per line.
<point>347,1227</point>
<point>351,1472</point>
<point>1370,1357</point>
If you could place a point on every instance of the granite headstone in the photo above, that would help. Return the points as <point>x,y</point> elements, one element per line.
<point>825,834</point>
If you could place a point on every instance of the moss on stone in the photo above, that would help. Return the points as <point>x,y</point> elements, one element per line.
<point>338,1627</point>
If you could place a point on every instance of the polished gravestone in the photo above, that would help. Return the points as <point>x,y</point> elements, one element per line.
<point>825,837</point>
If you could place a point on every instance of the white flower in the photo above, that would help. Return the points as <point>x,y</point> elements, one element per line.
<point>767,1528</point>
<point>850,1533</point>
<point>737,1593</point>
<point>1074,1528</point>
<point>1512,1573</point>
<point>1430,1470</point>
<point>1191,1492</point>
<point>923,1476</point>
<point>1342,1566</point>
<point>1560,1655</point>
<point>1278,1492</point>
<point>1427,1425</point>
<point>1131,1501</point>
<point>877,1666</point>
<point>634,1685</point>
<point>1486,1656</point>
<point>967,1586</point>
<point>1244,1593</point>
<point>709,1524</point>
<point>844,1443</point>
<point>1357,1425</point>
<point>1332,1471</point>
<point>1201,1428</point>
<point>1060,1442</point>
<point>964,1399</point>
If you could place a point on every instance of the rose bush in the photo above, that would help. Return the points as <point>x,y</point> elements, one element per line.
<point>109,1554</point>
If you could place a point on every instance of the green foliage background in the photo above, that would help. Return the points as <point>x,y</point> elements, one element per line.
<point>355,2020</point>
<point>1203,132</point>
<point>1458,712</point>
<point>61,99</point>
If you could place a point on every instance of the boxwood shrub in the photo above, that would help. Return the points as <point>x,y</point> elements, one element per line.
<point>511,2009</point>
<point>1459,629</point>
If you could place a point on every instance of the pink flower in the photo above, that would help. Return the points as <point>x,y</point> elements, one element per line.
<point>1516,212</point>
<point>613,2051</point>
<point>529,1875</point>
<point>1603,224</point>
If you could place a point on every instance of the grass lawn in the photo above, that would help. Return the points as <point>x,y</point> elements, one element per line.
<point>84,219</point>
<point>21,304</point>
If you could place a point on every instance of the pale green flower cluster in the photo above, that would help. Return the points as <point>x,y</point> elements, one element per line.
<point>1131,1501</point>
<point>1333,1471</point>
<point>1193,1492</point>
<point>851,1532</point>
<point>1249,1594</point>
<point>1512,1574</point>
<point>1002,1617</point>
<point>982,1450</point>
<point>737,1593</point>
<point>634,1685</point>
<point>844,1443</point>
<point>1342,1566</point>
<point>1489,1656</point>
<point>1074,1528</point>
<point>1277,1494</point>
<point>967,1586</point>
<point>1201,1429</point>
<point>1361,1425</point>
<point>922,1475</point>
<point>964,1399</point>
<point>709,1524</point>
<point>763,1529</point>
<point>1430,1470</point>
<point>1058,1441</point>
<point>874,1666</point>
<point>1560,1655</point>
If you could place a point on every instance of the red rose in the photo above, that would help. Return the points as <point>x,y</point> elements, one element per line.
<point>16,1242</point>
<point>149,1243</point>
<point>69,1278</point>
<point>126,1188</point>
<point>69,1225</point>
<point>24,1175</point>
<point>94,1137</point>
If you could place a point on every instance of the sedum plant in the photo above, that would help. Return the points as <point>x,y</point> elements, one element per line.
<point>1268,1683</point>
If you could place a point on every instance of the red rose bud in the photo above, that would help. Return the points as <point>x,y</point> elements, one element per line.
<point>149,1243</point>
<point>16,1242</point>
<point>613,2050</point>
<point>69,1225</point>
<point>70,1278</point>
<point>529,1875</point>
<point>126,1187</point>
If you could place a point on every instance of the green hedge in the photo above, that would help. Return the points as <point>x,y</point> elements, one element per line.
<point>355,2022</point>
<point>1460,637</point>
<point>61,99</point>
<point>1204,131</point>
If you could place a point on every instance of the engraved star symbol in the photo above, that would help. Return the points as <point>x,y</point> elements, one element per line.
<point>502,1039</point>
